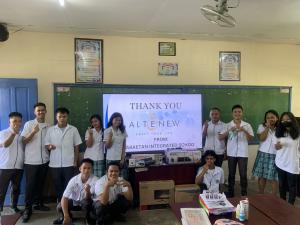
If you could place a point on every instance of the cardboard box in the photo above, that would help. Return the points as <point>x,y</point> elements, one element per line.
<point>157,192</point>
<point>186,193</point>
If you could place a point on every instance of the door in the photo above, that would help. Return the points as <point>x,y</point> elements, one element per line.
<point>17,95</point>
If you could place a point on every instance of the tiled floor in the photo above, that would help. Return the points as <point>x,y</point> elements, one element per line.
<point>134,217</point>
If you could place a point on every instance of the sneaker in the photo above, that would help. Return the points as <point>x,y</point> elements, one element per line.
<point>41,207</point>
<point>26,216</point>
<point>58,221</point>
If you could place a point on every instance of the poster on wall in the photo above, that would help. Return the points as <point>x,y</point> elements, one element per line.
<point>88,60</point>
<point>156,122</point>
<point>229,66</point>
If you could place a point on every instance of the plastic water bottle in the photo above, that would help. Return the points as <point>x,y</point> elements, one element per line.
<point>242,213</point>
<point>245,203</point>
<point>247,208</point>
<point>237,212</point>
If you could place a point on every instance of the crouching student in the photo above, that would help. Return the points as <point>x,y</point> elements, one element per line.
<point>209,176</point>
<point>77,195</point>
<point>114,196</point>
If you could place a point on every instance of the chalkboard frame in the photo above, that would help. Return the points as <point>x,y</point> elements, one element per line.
<point>169,89</point>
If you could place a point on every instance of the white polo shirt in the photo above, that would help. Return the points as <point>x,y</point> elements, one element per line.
<point>287,158</point>
<point>212,141</point>
<point>113,191</point>
<point>75,188</point>
<point>268,145</point>
<point>96,151</point>
<point>65,141</point>
<point>237,143</point>
<point>213,178</point>
<point>11,157</point>
<point>118,138</point>
<point>35,151</point>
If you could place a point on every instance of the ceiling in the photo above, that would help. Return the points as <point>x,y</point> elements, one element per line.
<point>276,21</point>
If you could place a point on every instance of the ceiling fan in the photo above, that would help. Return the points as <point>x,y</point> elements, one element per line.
<point>219,14</point>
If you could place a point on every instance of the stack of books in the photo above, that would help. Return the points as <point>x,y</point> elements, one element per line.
<point>194,216</point>
<point>215,203</point>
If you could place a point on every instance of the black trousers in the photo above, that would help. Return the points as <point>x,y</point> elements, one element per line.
<point>6,176</point>
<point>242,162</point>
<point>86,205</point>
<point>203,187</point>
<point>61,177</point>
<point>35,180</point>
<point>120,206</point>
<point>287,182</point>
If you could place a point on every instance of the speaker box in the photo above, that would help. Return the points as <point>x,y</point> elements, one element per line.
<point>4,34</point>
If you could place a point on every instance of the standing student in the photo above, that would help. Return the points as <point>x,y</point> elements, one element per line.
<point>287,155</point>
<point>11,160</point>
<point>36,160</point>
<point>238,133</point>
<point>94,144</point>
<point>264,166</point>
<point>62,140</point>
<point>115,139</point>
<point>211,131</point>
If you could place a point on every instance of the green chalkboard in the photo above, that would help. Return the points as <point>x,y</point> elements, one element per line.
<point>84,100</point>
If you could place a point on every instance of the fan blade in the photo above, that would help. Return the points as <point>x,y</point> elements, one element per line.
<point>226,21</point>
<point>222,19</point>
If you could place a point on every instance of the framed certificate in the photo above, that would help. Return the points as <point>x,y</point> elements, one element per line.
<point>88,60</point>
<point>229,66</point>
<point>168,69</point>
<point>167,48</point>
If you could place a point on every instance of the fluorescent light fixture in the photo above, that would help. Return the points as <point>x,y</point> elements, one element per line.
<point>62,3</point>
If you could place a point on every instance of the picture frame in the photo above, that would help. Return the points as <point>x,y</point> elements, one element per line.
<point>88,60</point>
<point>229,66</point>
<point>168,69</point>
<point>167,48</point>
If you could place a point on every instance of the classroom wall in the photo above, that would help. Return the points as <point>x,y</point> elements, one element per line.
<point>49,57</point>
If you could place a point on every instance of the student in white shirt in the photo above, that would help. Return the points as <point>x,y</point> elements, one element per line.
<point>62,140</point>
<point>78,194</point>
<point>11,160</point>
<point>238,133</point>
<point>287,155</point>
<point>94,144</point>
<point>211,131</point>
<point>209,176</point>
<point>115,140</point>
<point>36,160</point>
<point>264,166</point>
<point>114,196</point>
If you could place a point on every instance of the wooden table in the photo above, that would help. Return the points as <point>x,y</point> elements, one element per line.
<point>278,210</point>
<point>264,210</point>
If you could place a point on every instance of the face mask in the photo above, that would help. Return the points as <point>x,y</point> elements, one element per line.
<point>286,124</point>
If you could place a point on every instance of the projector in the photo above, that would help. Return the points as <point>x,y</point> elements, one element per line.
<point>156,159</point>
<point>181,156</point>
